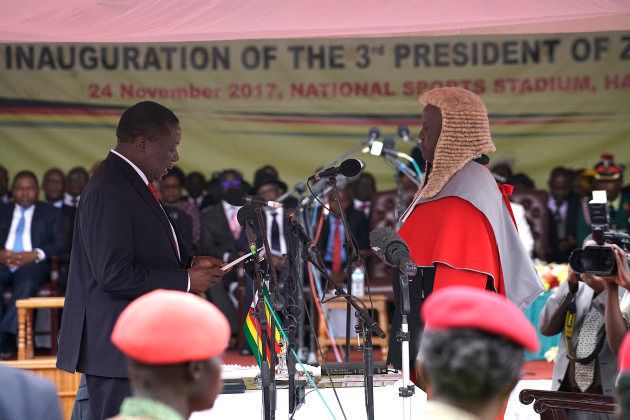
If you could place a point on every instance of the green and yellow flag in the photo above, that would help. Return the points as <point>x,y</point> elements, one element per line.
<point>252,330</point>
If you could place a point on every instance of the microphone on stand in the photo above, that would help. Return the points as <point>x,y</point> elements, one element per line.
<point>373,134</point>
<point>403,133</point>
<point>390,248</point>
<point>245,217</point>
<point>306,240</point>
<point>237,197</point>
<point>347,168</point>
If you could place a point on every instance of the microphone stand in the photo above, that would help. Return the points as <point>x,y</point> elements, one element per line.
<point>292,312</point>
<point>369,325</point>
<point>406,272</point>
<point>310,356</point>
<point>266,371</point>
<point>352,258</point>
<point>300,187</point>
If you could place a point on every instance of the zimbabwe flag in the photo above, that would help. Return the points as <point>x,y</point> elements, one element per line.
<point>252,329</point>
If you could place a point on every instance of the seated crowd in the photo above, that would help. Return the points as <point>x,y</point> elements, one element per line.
<point>33,231</point>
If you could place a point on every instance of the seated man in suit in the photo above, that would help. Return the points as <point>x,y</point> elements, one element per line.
<point>170,380</point>
<point>564,208</point>
<point>222,237</point>
<point>364,188</point>
<point>30,233</point>
<point>76,181</point>
<point>53,186</point>
<point>332,237</point>
<point>196,185</point>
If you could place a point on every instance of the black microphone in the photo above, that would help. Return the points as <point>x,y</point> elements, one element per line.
<point>403,133</point>
<point>237,197</point>
<point>308,242</point>
<point>373,134</point>
<point>390,248</point>
<point>245,214</point>
<point>245,217</point>
<point>348,168</point>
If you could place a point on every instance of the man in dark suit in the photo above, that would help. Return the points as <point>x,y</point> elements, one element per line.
<point>124,246</point>
<point>564,208</point>
<point>30,233</point>
<point>332,237</point>
<point>26,396</point>
<point>53,186</point>
<point>223,238</point>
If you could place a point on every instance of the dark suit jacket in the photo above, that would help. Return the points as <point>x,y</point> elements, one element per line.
<point>25,396</point>
<point>46,227</point>
<point>121,249</point>
<point>571,223</point>
<point>216,236</point>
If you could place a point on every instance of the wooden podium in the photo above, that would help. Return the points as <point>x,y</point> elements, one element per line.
<point>380,308</point>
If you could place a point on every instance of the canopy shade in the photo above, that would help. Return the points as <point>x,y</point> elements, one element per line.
<point>209,20</point>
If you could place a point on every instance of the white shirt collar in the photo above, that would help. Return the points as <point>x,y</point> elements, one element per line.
<point>140,173</point>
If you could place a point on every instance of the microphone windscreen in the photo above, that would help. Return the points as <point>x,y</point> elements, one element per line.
<point>380,238</point>
<point>403,132</point>
<point>389,143</point>
<point>235,196</point>
<point>245,214</point>
<point>350,167</point>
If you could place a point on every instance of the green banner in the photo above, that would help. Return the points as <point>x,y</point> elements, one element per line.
<point>552,99</point>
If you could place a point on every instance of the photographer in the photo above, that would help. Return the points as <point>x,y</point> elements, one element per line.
<point>586,310</point>
<point>617,316</point>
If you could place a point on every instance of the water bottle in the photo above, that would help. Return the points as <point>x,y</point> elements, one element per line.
<point>358,282</point>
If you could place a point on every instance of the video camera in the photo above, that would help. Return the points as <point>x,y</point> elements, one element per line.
<point>599,259</point>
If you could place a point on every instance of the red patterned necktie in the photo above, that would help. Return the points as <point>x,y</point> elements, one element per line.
<point>336,251</point>
<point>153,191</point>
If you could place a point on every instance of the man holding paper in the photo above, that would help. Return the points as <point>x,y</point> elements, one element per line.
<point>124,246</point>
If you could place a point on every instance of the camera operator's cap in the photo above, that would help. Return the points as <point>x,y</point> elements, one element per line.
<point>607,170</point>
<point>463,307</point>
<point>167,326</point>
<point>624,354</point>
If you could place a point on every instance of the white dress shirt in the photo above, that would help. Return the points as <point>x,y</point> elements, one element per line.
<point>26,234</point>
<point>280,220</point>
<point>72,201</point>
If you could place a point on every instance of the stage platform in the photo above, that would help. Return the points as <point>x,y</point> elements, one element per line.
<point>536,374</point>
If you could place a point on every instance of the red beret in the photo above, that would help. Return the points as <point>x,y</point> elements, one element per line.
<point>624,354</point>
<point>463,307</point>
<point>166,326</point>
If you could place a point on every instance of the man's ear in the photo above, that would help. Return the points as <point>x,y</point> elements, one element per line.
<point>195,371</point>
<point>140,142</point>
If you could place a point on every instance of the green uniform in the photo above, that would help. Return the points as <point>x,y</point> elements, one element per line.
<point>134,408</point>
